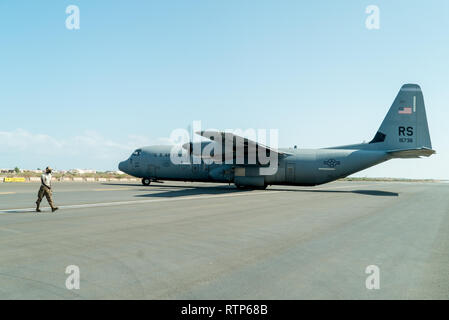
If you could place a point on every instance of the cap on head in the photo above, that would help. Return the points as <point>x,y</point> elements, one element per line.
<point>48,169</point>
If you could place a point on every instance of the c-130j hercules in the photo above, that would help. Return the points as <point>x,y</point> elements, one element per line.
<point>404,133</point>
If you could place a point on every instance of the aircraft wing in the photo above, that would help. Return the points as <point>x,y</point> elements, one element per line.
<point>246,144</point>
<point>411,153</point>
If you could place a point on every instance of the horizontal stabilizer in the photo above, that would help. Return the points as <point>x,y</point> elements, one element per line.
<point>411,153</point>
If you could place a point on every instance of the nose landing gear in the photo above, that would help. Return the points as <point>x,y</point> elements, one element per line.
<point>146,181</point>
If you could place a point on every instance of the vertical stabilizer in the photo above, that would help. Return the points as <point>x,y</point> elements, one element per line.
<point>405,126</point>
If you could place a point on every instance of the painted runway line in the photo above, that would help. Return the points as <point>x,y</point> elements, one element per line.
<point>10,230</point>
<point>131,202</point>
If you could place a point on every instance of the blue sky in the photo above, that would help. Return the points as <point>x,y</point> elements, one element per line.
<point>136,70</point>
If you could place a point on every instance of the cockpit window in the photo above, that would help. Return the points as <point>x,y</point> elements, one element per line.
<point>137,152</point>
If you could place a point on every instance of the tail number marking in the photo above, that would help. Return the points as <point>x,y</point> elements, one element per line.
<point>405,132</point>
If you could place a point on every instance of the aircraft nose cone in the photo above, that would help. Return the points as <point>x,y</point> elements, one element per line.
<point>122,166</point>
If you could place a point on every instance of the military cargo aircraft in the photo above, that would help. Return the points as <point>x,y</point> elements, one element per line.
<point>403,133</point>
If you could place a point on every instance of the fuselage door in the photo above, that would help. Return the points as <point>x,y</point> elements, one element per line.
<point>290,172</point>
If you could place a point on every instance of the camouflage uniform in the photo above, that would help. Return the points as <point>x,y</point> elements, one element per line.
<point>45,190</point>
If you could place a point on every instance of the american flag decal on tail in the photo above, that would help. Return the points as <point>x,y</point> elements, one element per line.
<point>405,110</point>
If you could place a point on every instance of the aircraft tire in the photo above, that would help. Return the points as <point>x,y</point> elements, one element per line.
<point>146,181</point>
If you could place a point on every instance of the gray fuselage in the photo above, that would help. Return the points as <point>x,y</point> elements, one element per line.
<point>404,133</point>
<point>304,167</point>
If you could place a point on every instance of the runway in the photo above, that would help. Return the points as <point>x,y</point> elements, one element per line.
<point>207,241</point>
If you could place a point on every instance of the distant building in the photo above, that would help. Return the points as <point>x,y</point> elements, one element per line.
<point>82,171</point>
<point>114,172</point>
<point>33,171</point>
<point>7,171</point>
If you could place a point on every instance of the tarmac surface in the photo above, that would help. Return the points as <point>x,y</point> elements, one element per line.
<point>207,241</point>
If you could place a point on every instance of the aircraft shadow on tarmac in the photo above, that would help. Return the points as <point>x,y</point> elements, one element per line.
<point>191,191</point>
<point>364,192</point>
<point>122,184</point>
<point>195,190</point>
<point>376,193</point>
